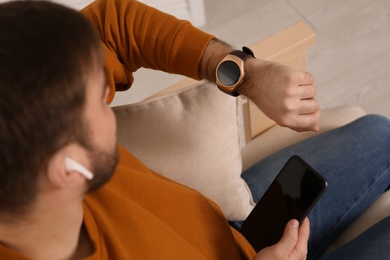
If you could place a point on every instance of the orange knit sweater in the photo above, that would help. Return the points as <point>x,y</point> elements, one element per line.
<point>139,214</point>
<point>136,36</point>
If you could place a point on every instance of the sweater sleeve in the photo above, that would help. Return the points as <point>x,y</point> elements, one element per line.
<point>135,35</point>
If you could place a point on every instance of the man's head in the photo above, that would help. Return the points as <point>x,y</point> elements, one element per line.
<point>52,90</point>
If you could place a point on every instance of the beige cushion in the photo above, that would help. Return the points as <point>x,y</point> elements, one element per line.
<point>192,137</point>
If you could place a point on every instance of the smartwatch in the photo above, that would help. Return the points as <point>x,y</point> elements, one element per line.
<point>230,71</point>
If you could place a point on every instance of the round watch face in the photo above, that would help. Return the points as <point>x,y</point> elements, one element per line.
<point>228,73</point>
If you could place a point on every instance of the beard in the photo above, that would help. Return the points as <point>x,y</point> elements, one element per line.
<point>103,164</point>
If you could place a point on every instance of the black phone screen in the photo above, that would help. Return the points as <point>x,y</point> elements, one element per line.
<point>291,195</point>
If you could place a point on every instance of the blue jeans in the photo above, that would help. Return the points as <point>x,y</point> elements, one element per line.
<point>355,160</point>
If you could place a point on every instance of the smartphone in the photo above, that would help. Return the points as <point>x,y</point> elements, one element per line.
<point>291,195</point>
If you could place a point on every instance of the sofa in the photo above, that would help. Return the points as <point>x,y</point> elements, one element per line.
<point>198,136</point>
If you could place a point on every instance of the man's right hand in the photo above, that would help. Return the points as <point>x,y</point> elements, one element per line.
<point>292,245</point>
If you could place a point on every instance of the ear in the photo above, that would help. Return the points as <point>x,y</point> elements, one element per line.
<point>61,173</point>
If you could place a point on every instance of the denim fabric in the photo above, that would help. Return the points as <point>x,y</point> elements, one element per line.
<point>354,159</point>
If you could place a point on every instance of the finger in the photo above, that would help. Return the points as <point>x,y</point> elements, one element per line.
<point>307,91</point>
<point>290,237</point>
<point>307,122</point>
<point>300,249</point>
<point>308,106</point>
<point>303,236</point>
<point>306,79</point>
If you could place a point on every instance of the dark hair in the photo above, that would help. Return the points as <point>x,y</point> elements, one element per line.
<point>47,52</point>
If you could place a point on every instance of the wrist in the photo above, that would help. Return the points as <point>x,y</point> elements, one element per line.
<point>251,68</point>
<point>231,71</point>
<point>215,51</point>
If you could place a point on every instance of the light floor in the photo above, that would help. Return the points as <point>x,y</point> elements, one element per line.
<point>350,61</point>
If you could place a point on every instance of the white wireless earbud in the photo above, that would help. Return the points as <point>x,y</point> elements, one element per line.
<point>72,165</point>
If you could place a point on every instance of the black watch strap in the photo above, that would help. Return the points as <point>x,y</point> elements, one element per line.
<point>244,54</point>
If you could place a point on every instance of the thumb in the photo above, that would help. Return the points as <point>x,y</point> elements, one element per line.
<point>290,237</point>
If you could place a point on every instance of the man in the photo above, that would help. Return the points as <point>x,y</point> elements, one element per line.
<point>58,137</point>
